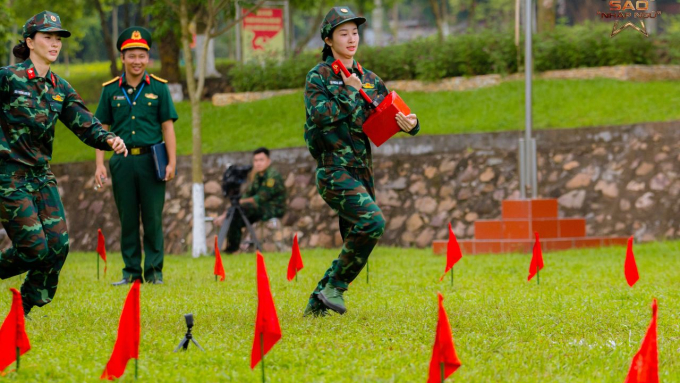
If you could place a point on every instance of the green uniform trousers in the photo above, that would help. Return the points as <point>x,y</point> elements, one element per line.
<point>33,217</point>
<point>139,194</point>
<point>351,193</point>
<point>234,234</point>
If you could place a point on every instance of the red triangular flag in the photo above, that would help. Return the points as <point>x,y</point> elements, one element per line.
<point>13,333</point>
<point>645,365</point>
<point>443,351</point>
<point>453,253</point>
<point>295,263</point>
<point>267,328</point>
<point>219,269</point>
<point>536,259</point>
<point>127,342</point>
<point>630,268</point>
<point>101,247</point>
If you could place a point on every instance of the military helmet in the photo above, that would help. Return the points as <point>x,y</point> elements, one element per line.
<point>134,37</point>
<point>337,16</point>
<point>44,21</point>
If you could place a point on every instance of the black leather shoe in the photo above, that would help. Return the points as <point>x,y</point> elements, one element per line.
<point>122,282</point>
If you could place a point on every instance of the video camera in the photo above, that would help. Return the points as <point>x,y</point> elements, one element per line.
<point>233,178</point>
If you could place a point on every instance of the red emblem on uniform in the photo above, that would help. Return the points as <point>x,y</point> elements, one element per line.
<point>54,82</point>
<point>120,82</point>
<point>148,80</point>
<point>361,70</point>
<point>31,73</point>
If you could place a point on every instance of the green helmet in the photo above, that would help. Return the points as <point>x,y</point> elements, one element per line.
<point>337,16</point>
<point>44,21</point>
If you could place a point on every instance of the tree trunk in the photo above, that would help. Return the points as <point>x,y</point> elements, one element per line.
<point>108,42</point>
<point>436,10</point>
<point>394,24</point>
<point>546,15</point>
<point>168,50</point>
<point>302,43</point>
<point>378,12</point>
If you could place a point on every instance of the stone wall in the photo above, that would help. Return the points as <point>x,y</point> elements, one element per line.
<point>625,180</point>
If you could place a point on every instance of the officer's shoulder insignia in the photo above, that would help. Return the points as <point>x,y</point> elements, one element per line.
<point>271,182</point>
<point>368,85</point>
<point>111,81</point>
<point>164,81</point>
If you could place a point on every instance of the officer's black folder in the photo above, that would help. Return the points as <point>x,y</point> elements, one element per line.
<point>160,160</point>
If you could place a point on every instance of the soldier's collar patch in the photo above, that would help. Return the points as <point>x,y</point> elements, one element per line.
<point>151,96</point>
<point>22,92</point>
<point>58,97</point>
<point>368,85</point>
<point>147,79</point>
<point>361,70</point>
<point>31,73</point>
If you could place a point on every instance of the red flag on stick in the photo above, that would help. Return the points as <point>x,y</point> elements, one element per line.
<point>444,360</point>
<point>536,259</point>
<point>295,263</point>
<point>630,267</point>
<point>645,365</point>
<point>453,253</point>
<point>267,328</point>
<point>127,342</point>
<point>13,336</point>
<point>101,249</point>
<point>219,269</point>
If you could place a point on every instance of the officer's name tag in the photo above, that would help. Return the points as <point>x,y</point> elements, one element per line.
<point>336,82</point>
<point>118,98</point>
<point>22,93</point>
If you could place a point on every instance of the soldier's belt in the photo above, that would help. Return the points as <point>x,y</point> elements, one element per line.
<point>137,150</point>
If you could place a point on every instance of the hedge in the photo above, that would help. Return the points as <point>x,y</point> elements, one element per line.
<point>587,45</point>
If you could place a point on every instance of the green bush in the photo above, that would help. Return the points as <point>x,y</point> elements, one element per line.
<point>428,59</point>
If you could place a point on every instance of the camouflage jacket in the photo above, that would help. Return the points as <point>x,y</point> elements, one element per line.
<point>336,113</point>
<point>30,108</point>
<point>269,193</point>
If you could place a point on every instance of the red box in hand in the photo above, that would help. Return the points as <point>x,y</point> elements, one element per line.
<point>382,125</point>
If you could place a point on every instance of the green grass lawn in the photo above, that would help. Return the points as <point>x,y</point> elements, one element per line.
<point>582,324</point>
<point>278,122</point>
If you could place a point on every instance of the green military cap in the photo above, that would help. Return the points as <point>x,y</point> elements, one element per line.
<point>45,21</point>
<point>134,37</point>
<point>337,16</point>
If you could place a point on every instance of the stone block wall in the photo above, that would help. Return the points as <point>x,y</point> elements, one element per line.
<point>624,180</point>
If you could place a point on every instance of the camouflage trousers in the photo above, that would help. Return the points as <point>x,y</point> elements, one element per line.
<point>33,217</point>
<point>351,193</point>
<point>253,214</point>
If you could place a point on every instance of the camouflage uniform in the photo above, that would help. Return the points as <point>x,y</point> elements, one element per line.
<point>269,193</point>
<point>335,114</point>
<point>30,207</point>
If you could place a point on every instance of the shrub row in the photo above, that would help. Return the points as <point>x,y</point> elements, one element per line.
<point>587,45</point>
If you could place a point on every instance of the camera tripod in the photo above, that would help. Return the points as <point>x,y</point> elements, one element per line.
<point>234,209</point>
<point>184,343</point>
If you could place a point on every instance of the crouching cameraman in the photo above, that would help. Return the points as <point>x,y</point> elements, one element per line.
<point>264,199</point>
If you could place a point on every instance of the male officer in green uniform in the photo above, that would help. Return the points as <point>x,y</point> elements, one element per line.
<point>335,114</point>
<point>138,107</point>
<point>264,199</point>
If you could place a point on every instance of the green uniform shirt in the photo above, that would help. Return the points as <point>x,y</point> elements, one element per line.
<point>31,106</point>
<point>269,193</point>
<point>336,114</point>
<point>137,122</point>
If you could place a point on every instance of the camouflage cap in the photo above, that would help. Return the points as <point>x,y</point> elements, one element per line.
<point>337,16</point>
<point>44,21</point>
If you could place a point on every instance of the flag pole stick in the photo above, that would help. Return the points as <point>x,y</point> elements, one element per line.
<point>441,369</point>
<point>97,266</point>
<point>136,368</point>
<point>538,279</point>
<point>452,277</point>
<point>215,277</point>
<point>262,353</point>
<point>367,272</point>
<point>296,270</point>
<point>18,358</point>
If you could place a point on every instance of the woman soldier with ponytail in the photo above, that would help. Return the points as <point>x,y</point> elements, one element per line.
<point>32,99</point>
